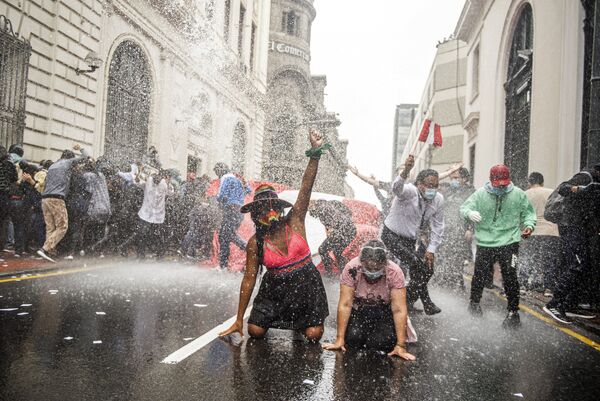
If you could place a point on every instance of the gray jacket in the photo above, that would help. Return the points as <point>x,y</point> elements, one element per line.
<point>59,177</point>
<point>99,206</point>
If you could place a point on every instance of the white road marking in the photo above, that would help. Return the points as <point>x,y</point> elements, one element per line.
<point>200,305</point>
<point>101,313</point>
<point>200,342</point>
<point>97,342</point>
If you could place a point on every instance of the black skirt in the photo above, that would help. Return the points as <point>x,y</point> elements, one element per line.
<point>291,301</point>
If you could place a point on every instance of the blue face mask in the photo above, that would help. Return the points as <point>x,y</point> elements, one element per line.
<point>373,276</point>
<point>430,193</point>
<point>455,184</point>
<point>499,191</point>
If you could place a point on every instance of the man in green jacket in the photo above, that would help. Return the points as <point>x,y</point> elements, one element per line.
<point>503,215</point>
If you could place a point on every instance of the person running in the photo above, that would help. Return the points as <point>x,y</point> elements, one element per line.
<point>372,311</point>
<point>415,207</point>
<point>232,192</point>
<point>340,230</point>
<point>578,228</point>
<point>503,215</point>
<point>291,294</point>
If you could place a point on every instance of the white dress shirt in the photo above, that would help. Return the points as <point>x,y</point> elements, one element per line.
<point>410,210</point>
<point>153,207</point>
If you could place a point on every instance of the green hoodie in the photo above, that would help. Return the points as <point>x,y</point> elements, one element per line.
<point>502,217</point>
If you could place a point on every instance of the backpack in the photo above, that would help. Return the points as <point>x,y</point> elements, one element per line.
<point>555,205</point>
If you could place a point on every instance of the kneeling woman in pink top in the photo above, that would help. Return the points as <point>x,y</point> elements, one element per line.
<point>291,294</point>
<point>372,309</point>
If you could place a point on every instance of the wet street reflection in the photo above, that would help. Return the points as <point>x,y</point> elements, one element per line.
<point>101,333</point>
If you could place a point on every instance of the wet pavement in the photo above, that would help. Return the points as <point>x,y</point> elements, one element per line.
<point>101,334</point>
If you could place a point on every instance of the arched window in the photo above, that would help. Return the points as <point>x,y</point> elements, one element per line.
<point>239,149</point>
<point>290,23</point>
<point>518,98</point>
<point>128,103</point>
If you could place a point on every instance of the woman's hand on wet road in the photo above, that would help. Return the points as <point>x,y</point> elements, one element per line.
<point>237,327</point>
<point>402,353</point>
<point>338,345</point>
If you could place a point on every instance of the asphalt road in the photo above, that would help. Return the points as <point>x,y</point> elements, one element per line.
<point>101,334</point>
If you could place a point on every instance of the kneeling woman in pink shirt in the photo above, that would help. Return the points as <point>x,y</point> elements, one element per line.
<point>372,311</point>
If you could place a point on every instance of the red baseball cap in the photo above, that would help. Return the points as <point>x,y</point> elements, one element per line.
<point>500,175</point>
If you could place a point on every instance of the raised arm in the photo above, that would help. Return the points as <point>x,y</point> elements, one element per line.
<point>308,180</point>
<point>246,288</point>
<point>398,185</point>
<point>451,170</point>
<point>369,180</point>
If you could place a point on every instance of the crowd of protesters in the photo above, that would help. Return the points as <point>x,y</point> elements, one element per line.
<point>78,205</point>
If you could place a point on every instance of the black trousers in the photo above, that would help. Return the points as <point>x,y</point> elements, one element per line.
<point>420,274</point>
<point>507,257</point>
<point>371,327</point>
<point>577,258</point>
<point>337,241</point>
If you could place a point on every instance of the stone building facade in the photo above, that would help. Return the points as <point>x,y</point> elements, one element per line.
<point>188,77</point>
<point>443,102</point>
<point>296,102</point>
<point>530,86</point>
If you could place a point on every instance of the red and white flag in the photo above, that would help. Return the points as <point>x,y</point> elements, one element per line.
<point>431,133</point>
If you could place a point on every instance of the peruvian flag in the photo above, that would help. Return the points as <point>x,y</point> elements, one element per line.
<point>431,134</point>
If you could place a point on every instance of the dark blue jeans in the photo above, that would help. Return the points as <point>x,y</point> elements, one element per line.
<point>232,219</point>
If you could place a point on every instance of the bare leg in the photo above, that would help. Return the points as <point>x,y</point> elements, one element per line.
<point>256,331</point>
<point>314,334</point>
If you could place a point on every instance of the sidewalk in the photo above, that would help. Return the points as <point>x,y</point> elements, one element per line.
<point>11,265</point>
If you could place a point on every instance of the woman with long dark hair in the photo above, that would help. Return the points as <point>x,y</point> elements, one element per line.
<point>291,294</point>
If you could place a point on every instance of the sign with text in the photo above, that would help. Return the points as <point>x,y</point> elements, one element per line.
<point>288,49</point>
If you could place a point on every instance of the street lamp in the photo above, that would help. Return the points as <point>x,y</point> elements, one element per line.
<point>93,61</point>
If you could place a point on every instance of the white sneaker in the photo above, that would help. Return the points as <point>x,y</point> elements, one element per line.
<point>45,256</point>
<point>69,257</point>
<point>580,314</point>
<point>548,293</point>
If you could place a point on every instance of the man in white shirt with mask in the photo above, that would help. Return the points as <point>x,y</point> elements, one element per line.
<point>414,229</point>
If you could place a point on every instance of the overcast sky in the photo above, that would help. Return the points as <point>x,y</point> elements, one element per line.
<point>376,54</point>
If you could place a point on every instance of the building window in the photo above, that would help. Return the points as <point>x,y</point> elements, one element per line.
<point>227,20</point>
<point>241,30</point>
<point>239,149</point>
<point>290,23</point>
<point>252,46</point>
<point>518,98</point>
<point>209,9</point>
<point>472,161</point>
<point>475,73</point>
<point>14,66</point>
<point>128,103</point>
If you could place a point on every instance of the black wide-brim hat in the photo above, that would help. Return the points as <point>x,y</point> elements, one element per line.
<point>265,194</point>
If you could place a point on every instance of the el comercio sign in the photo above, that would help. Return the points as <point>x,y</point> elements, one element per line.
<point>287,49</point>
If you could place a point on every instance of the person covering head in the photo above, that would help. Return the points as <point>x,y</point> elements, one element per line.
<point>500,176</point>
<point>16,153</point>
<point>67,154</point>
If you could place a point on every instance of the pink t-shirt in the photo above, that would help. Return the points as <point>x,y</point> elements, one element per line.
<point>378,291</point>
